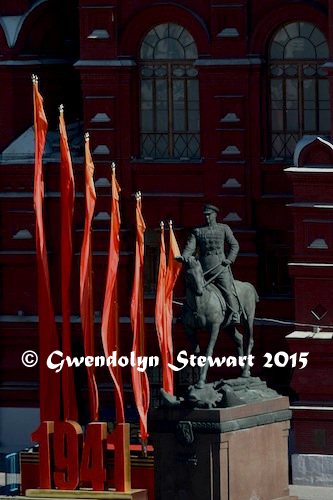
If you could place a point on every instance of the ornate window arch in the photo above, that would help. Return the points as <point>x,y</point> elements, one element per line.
<point>299,93</point>
<point>169,94</point>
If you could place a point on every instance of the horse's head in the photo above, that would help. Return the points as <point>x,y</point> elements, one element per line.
<point>194,276</point>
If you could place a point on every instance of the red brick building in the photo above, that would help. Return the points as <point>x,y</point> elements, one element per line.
<point>195,101</point>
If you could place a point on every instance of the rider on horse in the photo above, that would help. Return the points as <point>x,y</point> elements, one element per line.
<point>211,239</point>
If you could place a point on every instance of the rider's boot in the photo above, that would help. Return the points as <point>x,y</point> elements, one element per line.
<point>235,318</point>
<point>232,304</point>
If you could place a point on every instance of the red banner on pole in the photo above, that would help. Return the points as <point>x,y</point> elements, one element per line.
<point>110,318</point>
<point>160,317</point>
<point>140,379</point>
<point>172,274</point>
<point>174,266</point>
<point>48,336</point>
<point>167,278</point>
<point>67,209</point>
<point>86,290</point>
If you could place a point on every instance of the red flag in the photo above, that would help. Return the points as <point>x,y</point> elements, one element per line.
<point>67,209</point>
<point>173,270</point>
<point>160,317</point>
<point>86,290</point>
<point>48,336</point>
<point>110,318</point>
<point>140,379</point>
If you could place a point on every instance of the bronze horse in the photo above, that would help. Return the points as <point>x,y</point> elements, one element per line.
<point>205,309</point>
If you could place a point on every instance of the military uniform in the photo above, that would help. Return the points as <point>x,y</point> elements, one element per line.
<point>210,240</point>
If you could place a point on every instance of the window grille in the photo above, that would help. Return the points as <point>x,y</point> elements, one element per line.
<point>169,112</point>
<point>299,93</point>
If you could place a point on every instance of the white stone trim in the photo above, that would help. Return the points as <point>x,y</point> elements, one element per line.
<point>100,118</point>
<point>23,234</point>
<point>230,118</point>
<point>228,32</point>
<point>231,150</point>
<point>102,182</point>
<point>232,217</point>
<point>322,335</point>
<point>231,183</point>
<point>309,264</point>
<point>105,62</point>
<point>102,216</point>
<point>228,62</point>
<point>312,469</point>
<point>307,139</point>
<point>310,205</point>
<point>319,243</point>
<point>310,170</point>
<point>102,149</point>
<point>99,34</point>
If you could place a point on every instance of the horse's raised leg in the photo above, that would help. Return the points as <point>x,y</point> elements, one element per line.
<point>250,342</point>
<point>214,331</point>
<point>193,338</point>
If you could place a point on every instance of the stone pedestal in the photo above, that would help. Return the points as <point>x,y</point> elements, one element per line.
<point>238,453</point>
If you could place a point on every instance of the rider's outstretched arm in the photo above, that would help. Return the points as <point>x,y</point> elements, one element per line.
<point>190,246</point>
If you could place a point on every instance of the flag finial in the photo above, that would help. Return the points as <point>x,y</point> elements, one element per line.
<point>113,167</point>
<point>138,195</point>
<point>61,108</point>
<point>162,224</point>
<point>86,136</point>
<point>170,224</point>
<point>34,78</point>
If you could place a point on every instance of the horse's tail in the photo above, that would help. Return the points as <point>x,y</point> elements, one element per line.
<point>249,305</point>
<point>256,296</point>
<point>250,286</point>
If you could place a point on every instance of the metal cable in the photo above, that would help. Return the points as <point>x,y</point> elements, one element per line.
<point>279,321</point>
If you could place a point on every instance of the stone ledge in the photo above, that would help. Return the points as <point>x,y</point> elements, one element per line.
<point>206,427</point>
<point>133,494</point>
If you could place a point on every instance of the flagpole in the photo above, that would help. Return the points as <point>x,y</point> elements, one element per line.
<point>172,273</point>
<point>161,311</point>
<point>86,289</point>
<point>140,379</point>
<point>111,342</point>
<point>67,210</point>
<point>118,375</point>
<point>48,335</point>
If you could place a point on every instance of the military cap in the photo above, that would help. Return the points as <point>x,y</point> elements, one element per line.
<point>208,209</point>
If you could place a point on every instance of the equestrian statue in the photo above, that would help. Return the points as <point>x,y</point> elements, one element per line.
<point>214,300</point>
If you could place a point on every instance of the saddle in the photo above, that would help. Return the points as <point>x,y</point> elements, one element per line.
<point>218,293</point>
<point>213,288</point>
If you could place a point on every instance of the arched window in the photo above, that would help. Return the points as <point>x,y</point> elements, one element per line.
<point>299,87</point>
<point>169,114</point>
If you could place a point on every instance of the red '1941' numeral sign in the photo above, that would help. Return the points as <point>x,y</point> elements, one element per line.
<point>72,461</point>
